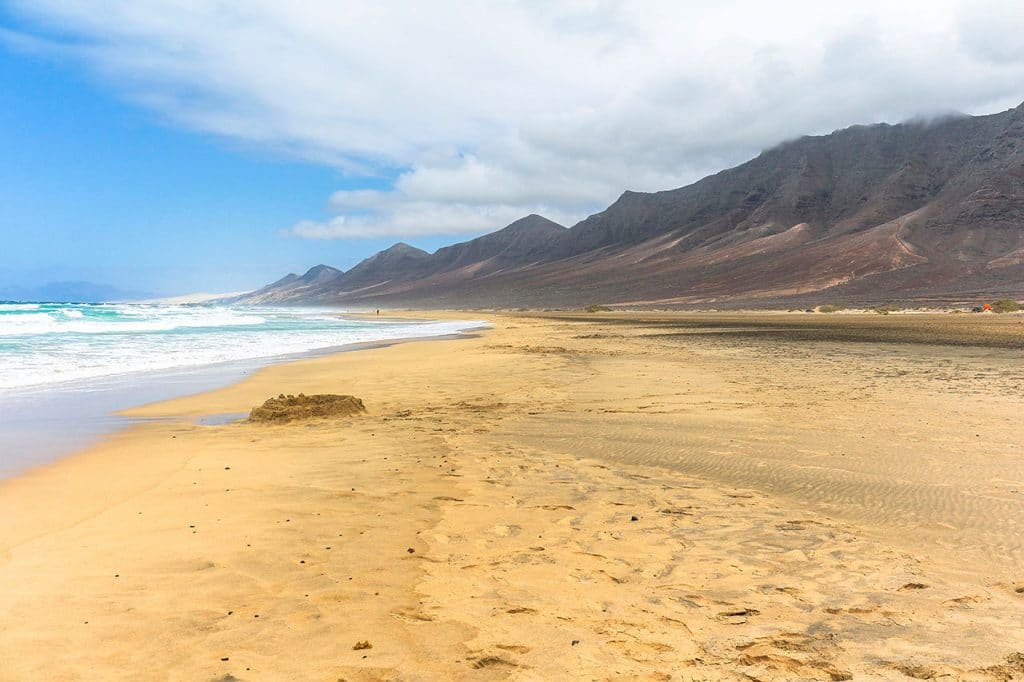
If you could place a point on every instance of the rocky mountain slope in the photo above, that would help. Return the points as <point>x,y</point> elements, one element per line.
<point>917,211</point>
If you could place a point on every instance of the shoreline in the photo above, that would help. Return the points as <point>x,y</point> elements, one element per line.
<point>549,498</point>
<point>89,409</point>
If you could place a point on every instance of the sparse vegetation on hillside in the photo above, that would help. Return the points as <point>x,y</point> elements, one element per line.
<point>831,308</point>
<point>887,308</point>
<point>597,308</point>
<point>1005,305</point>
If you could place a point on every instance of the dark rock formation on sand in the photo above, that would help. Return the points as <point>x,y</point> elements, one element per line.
<point>928,211</point>
<point>286,408</point>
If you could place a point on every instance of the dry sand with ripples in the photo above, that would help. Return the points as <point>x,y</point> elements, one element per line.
<point>617,496</point>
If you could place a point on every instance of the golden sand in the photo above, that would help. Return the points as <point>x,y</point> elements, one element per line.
<point>597,497</point>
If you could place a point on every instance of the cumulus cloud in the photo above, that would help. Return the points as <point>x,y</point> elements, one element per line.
<point>484,112</point>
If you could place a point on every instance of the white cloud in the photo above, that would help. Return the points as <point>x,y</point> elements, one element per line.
<point>499,109</point>
<point>412,219</point>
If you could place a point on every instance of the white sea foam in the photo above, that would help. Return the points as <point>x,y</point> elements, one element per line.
<point>107,320</point>
<point>51,344</point>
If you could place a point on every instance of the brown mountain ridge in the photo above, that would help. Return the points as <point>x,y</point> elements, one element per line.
<point>923,210</point>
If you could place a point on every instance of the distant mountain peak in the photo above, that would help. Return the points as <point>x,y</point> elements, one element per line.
<point>532,223</point>
<point>318,269</point>
<point>401,248</point>
<point>287,279</point>
<point>321,274</point>
<point>532,220</point>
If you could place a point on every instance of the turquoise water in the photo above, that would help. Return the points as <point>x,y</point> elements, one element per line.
<point>65,370</point>
<point>50,344</point>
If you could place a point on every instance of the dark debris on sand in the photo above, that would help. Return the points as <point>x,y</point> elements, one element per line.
<point>286,408</point>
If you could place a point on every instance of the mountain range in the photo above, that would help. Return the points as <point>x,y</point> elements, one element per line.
<point>928,210</point>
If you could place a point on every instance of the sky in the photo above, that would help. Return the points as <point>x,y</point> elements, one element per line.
<point>173,146</point>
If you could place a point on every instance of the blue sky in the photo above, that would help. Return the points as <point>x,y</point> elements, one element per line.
<point>94,188</point>
<point>215,146</point>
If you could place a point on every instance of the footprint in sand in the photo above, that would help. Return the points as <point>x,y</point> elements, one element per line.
<point>913,586</point>
<point>521,609</point>
<point>736,616</point>
<point>504,531</point>
<point>515,648</point>
<point>411,616</point>
<point>1015,589</point>
<point>493,662</point>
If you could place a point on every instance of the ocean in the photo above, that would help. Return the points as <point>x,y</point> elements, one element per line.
<point>66,368</point>
<point>48,344</point>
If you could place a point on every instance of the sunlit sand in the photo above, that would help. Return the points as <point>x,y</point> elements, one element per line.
<point>596,497</point>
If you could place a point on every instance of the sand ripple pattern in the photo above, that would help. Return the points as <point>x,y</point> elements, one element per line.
<point>958,518</point>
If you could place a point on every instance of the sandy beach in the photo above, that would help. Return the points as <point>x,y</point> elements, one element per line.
<point>606,496</point>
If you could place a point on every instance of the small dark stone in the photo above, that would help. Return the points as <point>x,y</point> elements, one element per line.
<point>411,550</point>
<point>575,642</point>
<point>634,518</point>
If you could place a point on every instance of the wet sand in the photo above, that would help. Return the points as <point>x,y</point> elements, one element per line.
<point>42,424</point>
<point>611,496</point>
